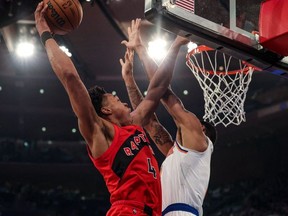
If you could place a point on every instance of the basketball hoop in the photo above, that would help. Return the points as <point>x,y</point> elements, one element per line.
<point>224,81</point>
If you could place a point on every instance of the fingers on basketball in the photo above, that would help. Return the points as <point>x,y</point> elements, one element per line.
<point>63,16</point>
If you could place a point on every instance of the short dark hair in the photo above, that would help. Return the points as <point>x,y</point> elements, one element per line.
<point>210,131</point>
<point>96,94</point>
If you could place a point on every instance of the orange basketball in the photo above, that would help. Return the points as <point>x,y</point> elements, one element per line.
<point>63,16</point>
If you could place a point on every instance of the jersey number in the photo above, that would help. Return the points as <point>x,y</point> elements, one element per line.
<point>151,169</point>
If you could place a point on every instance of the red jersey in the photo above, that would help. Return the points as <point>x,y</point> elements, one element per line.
<point>130,169</point>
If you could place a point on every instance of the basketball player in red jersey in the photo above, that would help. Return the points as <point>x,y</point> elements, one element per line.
<point>185,172</point>
<point>116,141</point>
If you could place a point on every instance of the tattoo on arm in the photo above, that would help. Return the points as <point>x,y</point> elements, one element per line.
<point>156,131</point>
<point>160,135</point>
<point>135,95</point>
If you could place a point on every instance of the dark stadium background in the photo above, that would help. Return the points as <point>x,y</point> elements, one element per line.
<point>49,172</point>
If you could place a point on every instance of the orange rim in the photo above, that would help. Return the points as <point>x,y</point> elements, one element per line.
<point>203,48</point>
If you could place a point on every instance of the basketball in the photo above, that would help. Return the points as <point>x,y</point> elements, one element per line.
<point>63,16</point>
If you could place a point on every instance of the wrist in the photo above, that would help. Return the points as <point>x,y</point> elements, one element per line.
<point>45,35</point>
<point>127,77</point>
<point>140,47</point>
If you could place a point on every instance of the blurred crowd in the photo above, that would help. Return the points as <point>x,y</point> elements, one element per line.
<point>42,151</point>
<point>258,197</point>
<point>266,197</point>
<point>25,199</point>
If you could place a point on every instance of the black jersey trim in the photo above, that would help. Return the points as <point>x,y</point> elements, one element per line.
<point>123,159</point>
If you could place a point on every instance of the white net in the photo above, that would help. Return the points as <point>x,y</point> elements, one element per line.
<point>224,81</point>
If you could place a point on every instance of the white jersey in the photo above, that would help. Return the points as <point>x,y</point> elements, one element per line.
<point>185,177</point>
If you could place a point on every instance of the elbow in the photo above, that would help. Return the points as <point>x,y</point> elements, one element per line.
<point>68,77</point>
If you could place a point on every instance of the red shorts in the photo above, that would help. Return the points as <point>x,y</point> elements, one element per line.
<point>128,208</point>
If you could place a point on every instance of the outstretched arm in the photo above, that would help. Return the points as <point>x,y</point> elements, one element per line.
<point>186,121</point>
<point>90,124</point>
<point>134,93</point>
<point>157,132</point>
<point>135,42</point>
<point>159,82</point>
<point>156,88</point>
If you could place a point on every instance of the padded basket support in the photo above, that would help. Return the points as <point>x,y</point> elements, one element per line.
<point>273,26</point>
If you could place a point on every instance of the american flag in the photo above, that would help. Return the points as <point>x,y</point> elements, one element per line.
<point>186,4</point>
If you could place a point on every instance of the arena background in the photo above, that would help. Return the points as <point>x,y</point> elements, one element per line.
<point>44,167</point>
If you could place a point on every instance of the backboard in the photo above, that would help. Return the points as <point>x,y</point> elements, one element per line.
<point>225,25</point>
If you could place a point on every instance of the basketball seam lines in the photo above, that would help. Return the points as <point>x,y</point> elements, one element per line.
<point>64,14</point>
<point>79,16</point>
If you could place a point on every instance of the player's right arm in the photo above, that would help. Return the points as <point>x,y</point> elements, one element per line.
<point>90,124</point>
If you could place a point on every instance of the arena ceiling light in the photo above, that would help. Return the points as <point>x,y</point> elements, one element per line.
<point>25,49</point>
<point>157,49</point>
<point>66,51</point>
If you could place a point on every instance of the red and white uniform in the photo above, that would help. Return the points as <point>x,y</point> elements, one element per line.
<point>185,176</point>
<point>131,173</point>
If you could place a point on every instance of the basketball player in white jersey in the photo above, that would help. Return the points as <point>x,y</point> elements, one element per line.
<point>185,172</point>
